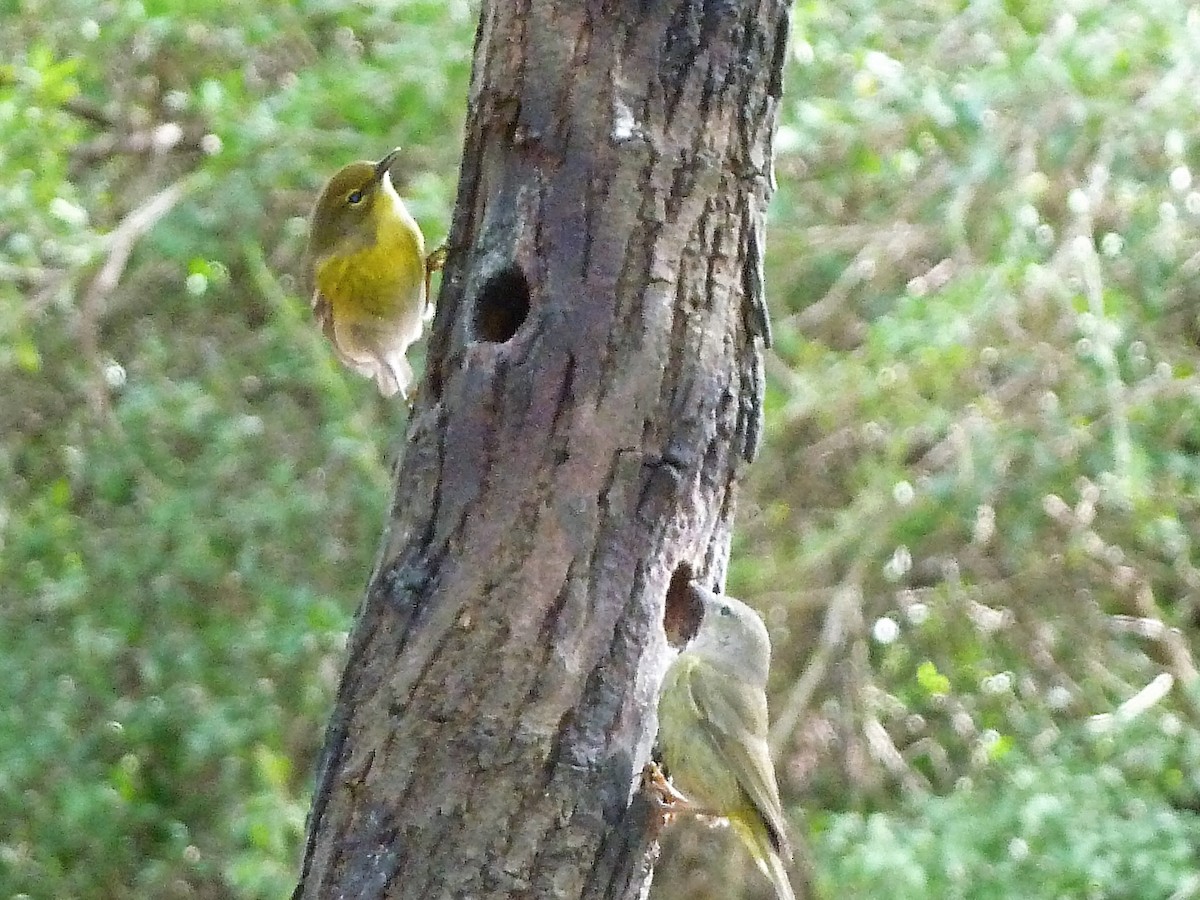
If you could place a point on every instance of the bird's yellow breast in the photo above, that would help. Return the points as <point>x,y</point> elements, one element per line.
<point>382,278</point>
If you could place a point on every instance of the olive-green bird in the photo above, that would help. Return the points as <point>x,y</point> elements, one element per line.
<point>712,717</point>
<point>369,273</point>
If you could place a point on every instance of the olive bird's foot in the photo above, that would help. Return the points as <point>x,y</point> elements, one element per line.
<point>710,820</point>
<point>661,794</point>
<point>661,791</point>
<point>668,798</point>
<point>433,263</point>
<point>437,258</point>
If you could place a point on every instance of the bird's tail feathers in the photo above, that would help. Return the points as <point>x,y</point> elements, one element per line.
<point>774,867</point>
<point>759,840</point>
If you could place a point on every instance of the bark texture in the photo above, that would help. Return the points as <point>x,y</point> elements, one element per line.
<point>593,386</point>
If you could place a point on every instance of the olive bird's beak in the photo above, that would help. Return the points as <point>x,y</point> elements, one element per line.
<point>382,167</point>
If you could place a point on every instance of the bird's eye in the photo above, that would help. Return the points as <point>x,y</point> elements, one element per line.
<point>726,611</point>
<point>355,198</point>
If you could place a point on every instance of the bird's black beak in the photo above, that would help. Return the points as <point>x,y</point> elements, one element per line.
<point>382,167</point>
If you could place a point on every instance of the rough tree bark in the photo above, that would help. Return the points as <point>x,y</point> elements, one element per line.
<point>593,386</point>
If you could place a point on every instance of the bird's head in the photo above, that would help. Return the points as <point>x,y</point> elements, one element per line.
<point>732,634</point>
<point>344,217</point>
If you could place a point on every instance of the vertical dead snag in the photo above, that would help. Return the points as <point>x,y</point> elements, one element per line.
<point>594,384</point>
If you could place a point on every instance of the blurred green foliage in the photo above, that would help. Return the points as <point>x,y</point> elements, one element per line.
<point>1079,827</point>
<point>973,526</point>
<point>193,489</point>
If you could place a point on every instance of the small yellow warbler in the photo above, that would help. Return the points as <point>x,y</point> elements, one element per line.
<point>369,272</point>
<point>712,720</point>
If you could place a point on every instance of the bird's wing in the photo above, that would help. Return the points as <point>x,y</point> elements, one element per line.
<point>735,715</point>
<point>322,311</point>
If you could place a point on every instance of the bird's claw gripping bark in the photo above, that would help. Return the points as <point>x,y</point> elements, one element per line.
<point>661,791</point>
<point>672,803</point>
<point>433,263</point>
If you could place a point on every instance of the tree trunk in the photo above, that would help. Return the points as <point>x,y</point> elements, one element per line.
<point>593,385</point>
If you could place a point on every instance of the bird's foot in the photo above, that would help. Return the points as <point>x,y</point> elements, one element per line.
<point>668,798</point>
<point>437,258</point>
<point>672,803</point>
<point>433,263</point>
<point>711,820</point>
<point>662,794</point>
<point>660,788</point>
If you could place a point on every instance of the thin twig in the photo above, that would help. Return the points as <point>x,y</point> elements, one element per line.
<point>843,615</point>
<point>90,112</point>
<point>119,247</point>
<point>884,750</point>
<point>1145,699</point>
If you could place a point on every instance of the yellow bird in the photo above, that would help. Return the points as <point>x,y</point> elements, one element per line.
<point>369,273</point>
<point>712,720</point>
